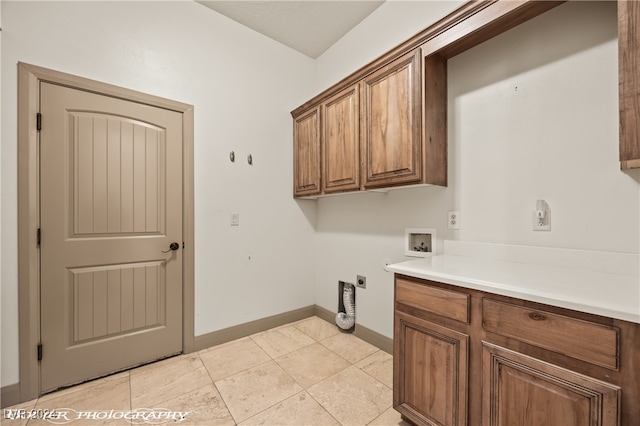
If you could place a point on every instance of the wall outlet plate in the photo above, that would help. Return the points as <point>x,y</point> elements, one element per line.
<point>453,219</point>
<point>546,222</point>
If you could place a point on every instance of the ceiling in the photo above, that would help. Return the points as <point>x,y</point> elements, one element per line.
<point>308,26</point>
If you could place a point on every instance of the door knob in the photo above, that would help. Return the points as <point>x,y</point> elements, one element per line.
<point>172,247</point>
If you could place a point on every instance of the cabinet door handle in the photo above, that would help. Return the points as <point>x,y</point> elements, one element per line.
<point>537,317</point>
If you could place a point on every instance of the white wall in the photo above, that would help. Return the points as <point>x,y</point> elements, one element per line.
<point>532,115</point>
<point>242,85</point>
<point>561,121</point>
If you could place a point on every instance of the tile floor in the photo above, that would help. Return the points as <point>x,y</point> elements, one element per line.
<point>303,373</point>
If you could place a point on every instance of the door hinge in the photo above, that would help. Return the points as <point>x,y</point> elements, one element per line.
<point>39,351</point>
<point>39,236</point>
<point>38,121</point>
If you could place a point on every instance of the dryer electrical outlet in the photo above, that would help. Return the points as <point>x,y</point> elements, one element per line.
<point>361,281</point>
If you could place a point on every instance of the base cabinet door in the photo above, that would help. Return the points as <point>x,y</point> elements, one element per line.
<point>521,390</point>
<point>430,378</point>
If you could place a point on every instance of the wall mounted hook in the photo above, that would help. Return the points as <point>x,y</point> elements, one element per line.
<point>232,156</point>
<point>250,160</point>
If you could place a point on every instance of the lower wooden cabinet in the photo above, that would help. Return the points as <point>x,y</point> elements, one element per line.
<point>521,390</point>
<point>430,386</point>
<point>509,361</point>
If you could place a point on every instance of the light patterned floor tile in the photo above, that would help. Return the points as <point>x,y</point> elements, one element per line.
<point>317,328</point>
<point>249,386</point>
<point>97,400</point>
<point>232,358</point>
<point>349,347</point>
<point>312,364</point>
<point>378,365</point>
<point>282,340</point>
<point>389,418</point>
<point>203,406</point>
<point>254,390</point>
<point>300,409</point>
<point>352,396</point>
<point>83,386</point>
<point>168,379</point>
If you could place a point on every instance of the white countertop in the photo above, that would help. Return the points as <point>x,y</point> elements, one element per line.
<point>593,290</point>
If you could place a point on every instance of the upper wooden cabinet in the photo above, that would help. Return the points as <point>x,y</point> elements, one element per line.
<point>629,82</point>
<point>386,124</point>
<point>372,133</point>
<point>393,111</point>
<point>306,153</point>
<point>392,146</point>
<point>340,141</point>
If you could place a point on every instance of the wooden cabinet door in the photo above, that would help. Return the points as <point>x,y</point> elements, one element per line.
<point>341,141</point>
<point>629,84</point>
<point>306,153</point>
<point>392,142</point>
<point>521,390</point>
<point>430,372</point>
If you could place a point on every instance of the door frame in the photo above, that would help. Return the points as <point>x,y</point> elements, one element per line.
<point>29,78</point>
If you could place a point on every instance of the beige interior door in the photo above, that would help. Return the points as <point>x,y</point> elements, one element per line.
<point>111,205</point>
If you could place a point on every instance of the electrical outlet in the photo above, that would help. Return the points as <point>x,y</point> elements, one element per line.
<point>543,224</point>
<point>453,219</point>
<point>361,281</point>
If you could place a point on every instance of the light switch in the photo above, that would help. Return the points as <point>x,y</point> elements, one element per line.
<point>235,219</point>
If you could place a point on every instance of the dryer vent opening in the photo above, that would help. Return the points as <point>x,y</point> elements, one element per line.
<point>346,317</point>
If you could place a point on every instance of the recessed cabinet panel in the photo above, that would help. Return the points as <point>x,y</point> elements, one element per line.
<point>392,128</point>
<point>340,135</point>
<point>521,390</point>
<point>447,303</point>
<point>306,153</point>
<point>430,384</point>
<point>558,333</point>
